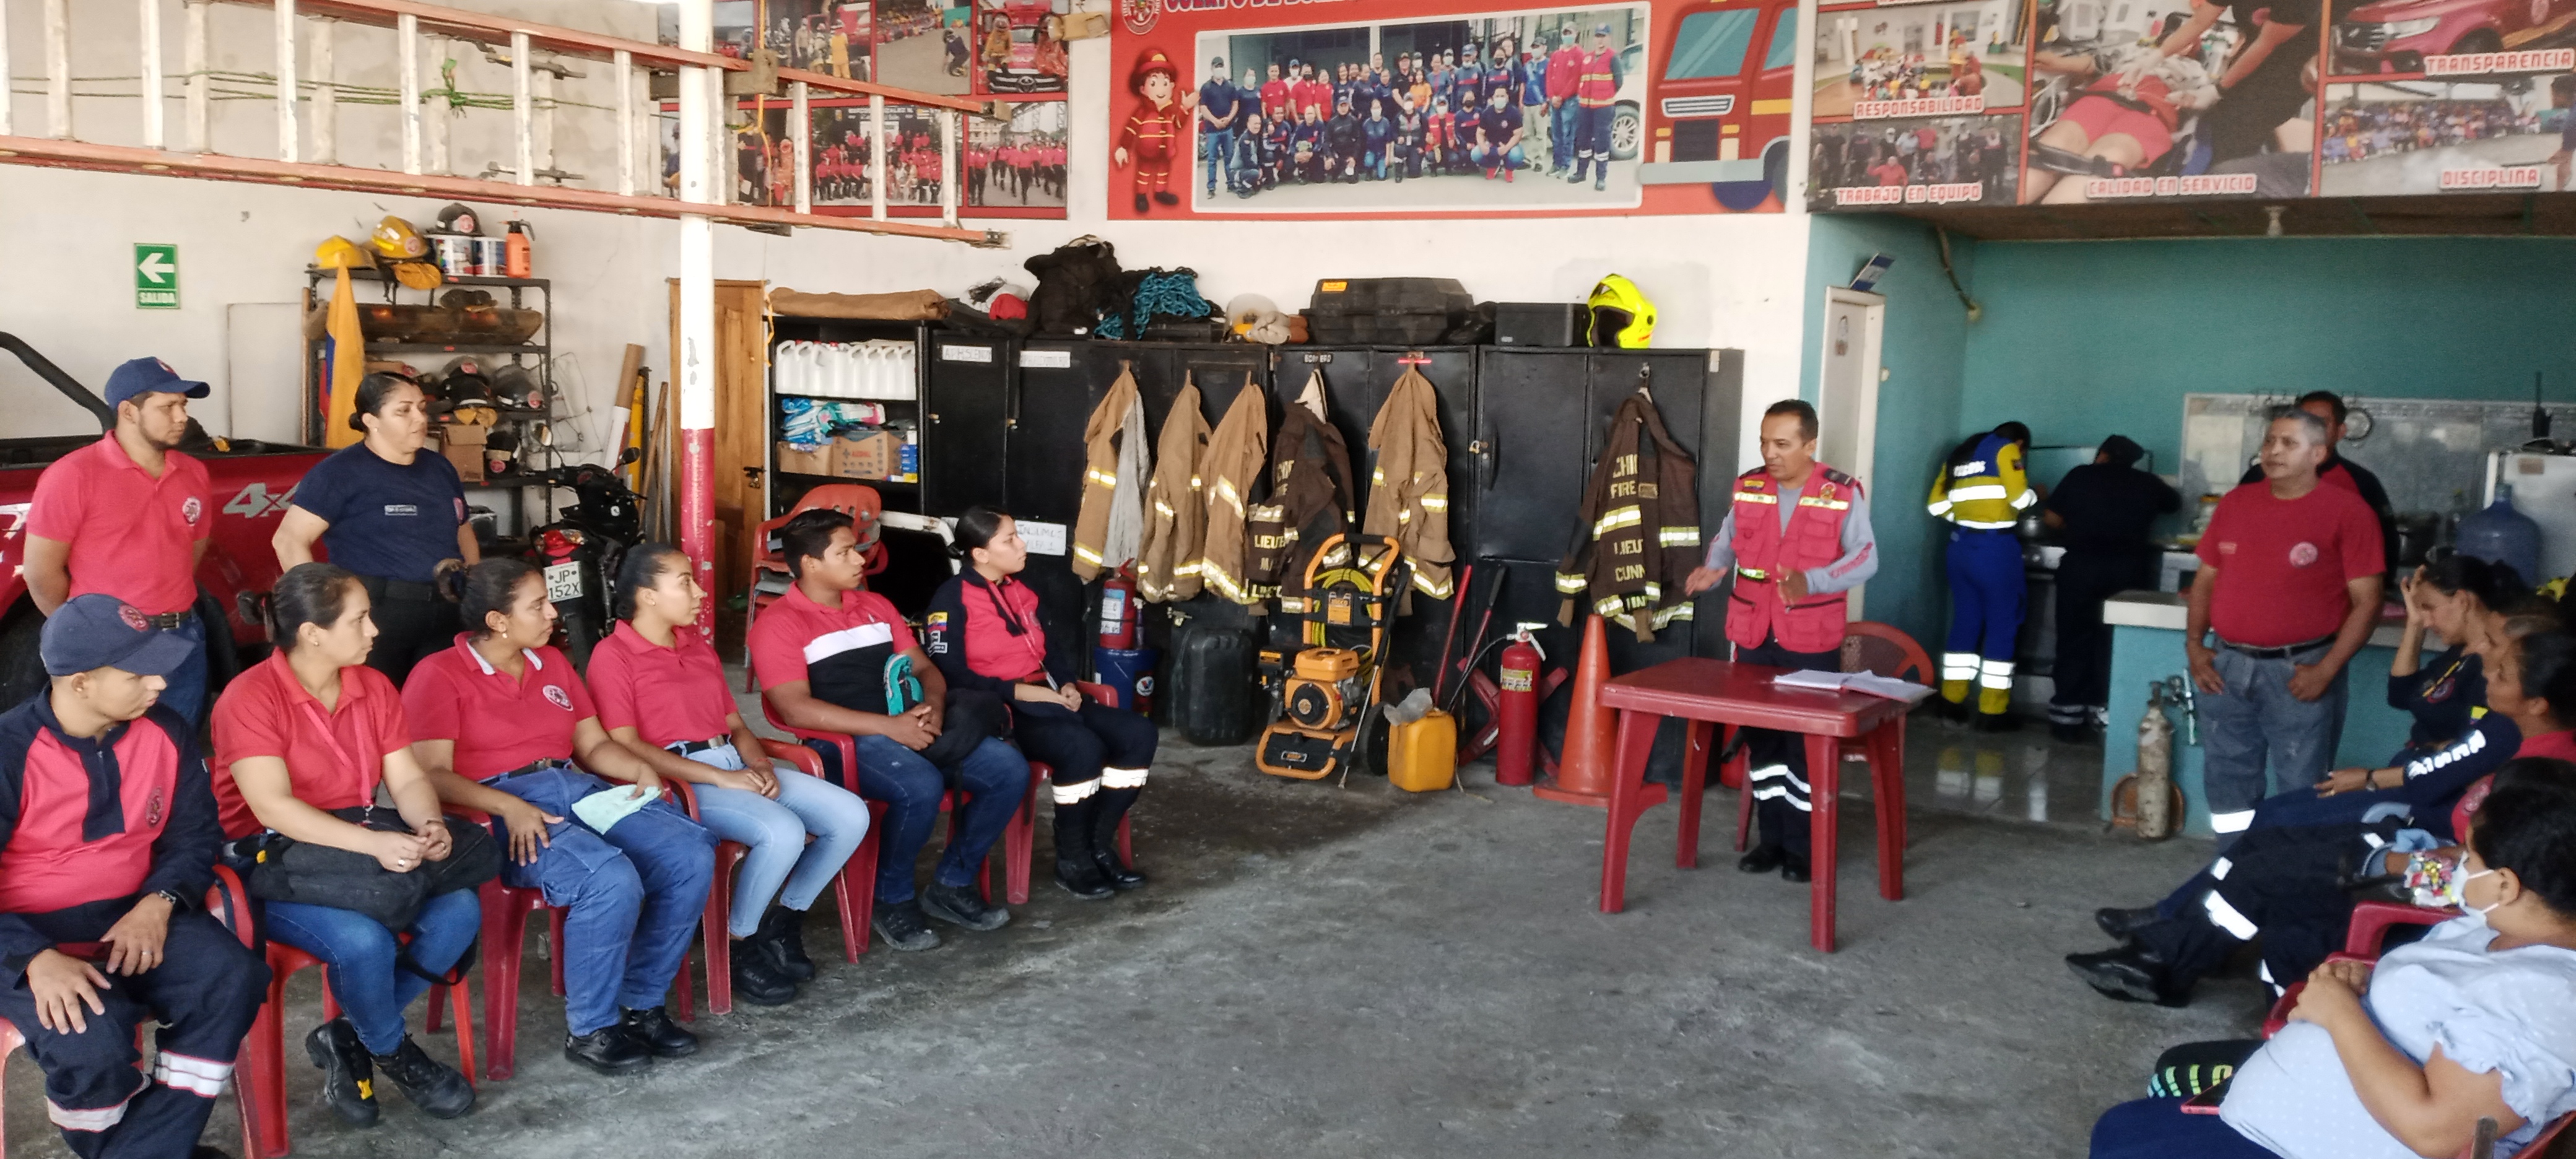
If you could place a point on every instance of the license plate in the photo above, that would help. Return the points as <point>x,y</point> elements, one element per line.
<point>563,582</point>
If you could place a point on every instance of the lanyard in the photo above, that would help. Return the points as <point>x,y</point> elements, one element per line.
<point>331,740</point>
<point>1035,643</point>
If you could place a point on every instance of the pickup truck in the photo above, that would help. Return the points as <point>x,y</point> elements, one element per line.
<point>250,484</point>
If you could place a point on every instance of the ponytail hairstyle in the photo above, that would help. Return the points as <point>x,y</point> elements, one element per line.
<point>373,390</point>
<point>489,587</point>
<point>309,593</point>
<point>641,569</point>
<point>976,528</point>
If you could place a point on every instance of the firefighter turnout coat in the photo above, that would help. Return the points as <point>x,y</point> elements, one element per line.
<point>1310,494</point>
<point>1176,505</point>
<point>1640,534</point>
<point>1409,492</point>
<point>1237,452</point>
<point>1111,527</point>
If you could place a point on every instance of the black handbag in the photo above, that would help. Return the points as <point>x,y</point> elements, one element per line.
<point>288,870</point>
<point>972,716</point>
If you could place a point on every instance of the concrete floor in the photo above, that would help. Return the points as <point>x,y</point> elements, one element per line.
<point>1327,972</point>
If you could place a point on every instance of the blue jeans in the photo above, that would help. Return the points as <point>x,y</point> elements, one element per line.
<point>635,893</point>
<point>362,954</point>
<point>775,831</point>
<point>186,694</point>
<point>1561,143</point>
<point>2257,740</point>
<point>2158,1129</point>
<point>1216,146</point>
<point>1509,159</point>
<point>995,773</point>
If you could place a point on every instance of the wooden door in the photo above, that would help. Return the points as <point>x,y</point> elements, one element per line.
<point>742,431</point>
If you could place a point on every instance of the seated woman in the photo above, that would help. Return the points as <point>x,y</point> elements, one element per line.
<point>2291,885</point>
<point>985,634</point>
<point>662,693</point>
<point>505,726</point>
<point>302,743</point>
<point>2458,598</point>
<point>2404,1057</point>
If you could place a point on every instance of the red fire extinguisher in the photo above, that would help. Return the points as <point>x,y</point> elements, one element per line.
<point>1118,611</point>
<point>1516,712</point>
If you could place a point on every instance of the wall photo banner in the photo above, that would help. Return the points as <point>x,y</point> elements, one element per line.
<point>1013,168</point>
<point>1455,108</point>
<point>2187,100</point>
<point>1000,48</point>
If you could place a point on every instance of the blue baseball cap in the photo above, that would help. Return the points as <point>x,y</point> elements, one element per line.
<point>101,631</point>
<point>150,376</point>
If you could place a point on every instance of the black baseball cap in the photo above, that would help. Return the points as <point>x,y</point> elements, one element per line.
<point>101,631</point>
<point>150,376</point>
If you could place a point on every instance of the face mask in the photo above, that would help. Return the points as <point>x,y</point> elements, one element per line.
<point>2456,892</point>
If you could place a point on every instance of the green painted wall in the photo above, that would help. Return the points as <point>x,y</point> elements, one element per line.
<point>1924,349</point>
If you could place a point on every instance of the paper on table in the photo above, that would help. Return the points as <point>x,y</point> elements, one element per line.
<point>1870,683</point>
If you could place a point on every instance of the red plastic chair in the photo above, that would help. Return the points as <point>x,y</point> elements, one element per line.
<point>504,942</point>
<point>729,855</point>
<point>1019,846</point>
<point>2362,942</point>
<point>1868,646</point>
<point>1015,851</point>
<point>862,504</point>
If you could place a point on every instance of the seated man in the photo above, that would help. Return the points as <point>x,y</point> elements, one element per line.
<point>101,928</point>
<point>833,658</point>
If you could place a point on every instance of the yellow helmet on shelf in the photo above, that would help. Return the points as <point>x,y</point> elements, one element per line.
<point>395,238</point>
<point>339,253</point>
<point>1619,315</point>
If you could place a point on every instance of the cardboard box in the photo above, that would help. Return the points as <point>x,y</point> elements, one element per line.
<point>463,443</point>
<point>798,459</point>
<point>868,456</point>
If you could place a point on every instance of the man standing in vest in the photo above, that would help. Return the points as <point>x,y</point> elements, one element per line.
<point>1596,86</point>
<point>1797,538</point>
<point>1982,491</point>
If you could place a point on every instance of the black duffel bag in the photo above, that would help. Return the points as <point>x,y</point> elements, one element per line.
<point>285,869</point>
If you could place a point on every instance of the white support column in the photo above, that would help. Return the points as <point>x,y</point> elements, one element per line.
<point>522,111</point>
<point>58,69</point>
<point>326,95</point>
<point>193,57</point>
<point>285,42</point>
<point>950,121</point>
<point>7,127</point>
<point>724,159</point>
<point>407,48</point>
<point>695,357</point>
<point>877,156</point>
<point>621,71</point>
<point>800,121</point>
<point>148,45</point>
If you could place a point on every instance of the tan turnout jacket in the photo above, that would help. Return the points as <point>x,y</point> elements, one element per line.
<point>1176,505</point>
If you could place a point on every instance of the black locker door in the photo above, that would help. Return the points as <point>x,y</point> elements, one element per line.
<point>1528,478</point>
<point>964,419</point>
<point>1220,372</point>
<point>1043,471</point>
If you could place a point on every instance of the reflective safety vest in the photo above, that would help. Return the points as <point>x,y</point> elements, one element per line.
<point>1764,552</point>
<point>1598,83</point>
<point>1988,492</point>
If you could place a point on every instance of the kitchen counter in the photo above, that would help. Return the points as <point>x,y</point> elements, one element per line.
<point>2146,647</point>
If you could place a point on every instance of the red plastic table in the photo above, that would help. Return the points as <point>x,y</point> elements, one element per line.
<point>1713,692</point>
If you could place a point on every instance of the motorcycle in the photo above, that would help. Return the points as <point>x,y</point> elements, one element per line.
<point>581,550</point>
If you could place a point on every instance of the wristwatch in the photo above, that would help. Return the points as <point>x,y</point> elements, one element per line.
<point>178,904</point>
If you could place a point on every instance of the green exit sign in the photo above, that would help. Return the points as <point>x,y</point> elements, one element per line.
<point>156,276</point>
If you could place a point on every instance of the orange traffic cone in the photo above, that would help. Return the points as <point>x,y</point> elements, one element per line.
<point>1584,772</point>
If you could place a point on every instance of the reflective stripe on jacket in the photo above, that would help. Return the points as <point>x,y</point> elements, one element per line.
<point>1176,505</point>
<point>1409,491</point>
<point>1640,533</point>
<point>1988,492</point>
<point>1764,552</point>
<point>1112,524</point>
<point>1236,454</point>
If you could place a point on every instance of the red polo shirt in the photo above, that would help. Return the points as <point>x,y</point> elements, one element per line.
<point>666,695</point>
<point>334,757</point>
<point>46,865</point>
<point>2282,563</point>
<point>499,722</point>
<point>131,535</point>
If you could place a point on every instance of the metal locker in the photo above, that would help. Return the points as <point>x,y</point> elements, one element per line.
<point>964,417</point>
<point>1528,476</point>
<point>1042,471</point>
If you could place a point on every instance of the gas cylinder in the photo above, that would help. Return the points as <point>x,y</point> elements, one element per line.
<point>1118,612</point>
<point>2155,769</point>
<point>1516,712</point>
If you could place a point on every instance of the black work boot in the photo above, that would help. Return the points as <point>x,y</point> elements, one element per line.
<point>2131,973</point>
<point>433,1086</point>
<point>2124,924</point>
<point>1762,858</point>
<point>348,1078</point>
<point>653,1030</point>
<point>962,905</point>
<point>900,925</point>
<point>1074,868</point>
<point>608,1050</point>
<point>783,931</point>
<point>756,976</point>
<point>1113,807</point>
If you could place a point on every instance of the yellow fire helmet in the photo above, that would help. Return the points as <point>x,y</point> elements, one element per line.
<point>418,275</point>
<point>395,238</point>
<point>339,253</point>
<point>1620,315</point>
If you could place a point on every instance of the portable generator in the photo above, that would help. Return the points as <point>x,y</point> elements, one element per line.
<point>1325,686</point>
